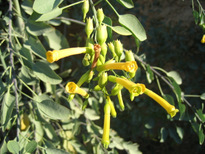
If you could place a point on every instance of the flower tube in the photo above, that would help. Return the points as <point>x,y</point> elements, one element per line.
<point>106,128</point>
<point>134,88</point>
<point>55,55</point>
<point>73,88</point>
<point>112,107</point>
<point>168,107</point>
<point>203,39</point>
<point>130,66</point>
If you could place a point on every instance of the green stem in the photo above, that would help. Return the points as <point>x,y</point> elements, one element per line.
<point>65,7</point>
<point>192,95</point>
<point>159,86</point>
<point>94,13</point>
<point>27,87</point>
<point>112,8</point>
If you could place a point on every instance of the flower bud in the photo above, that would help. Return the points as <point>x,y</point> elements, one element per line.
<point>102,59</point>
<point>90,76</point>
<point>106,128</point>
<point>103,79</point>
<point>89,27</point>
<point>112,107</point>
<point>104,49</point>
<point>100,15</point>
<point>25,122</point>
<point>129,56</point>
<point>121,103</point>
<point>101,34</point>
<point>118,48</point>
<point>112,49</point>
<point>116,89</point>
<point>86,60</point>
<point>85,8</point>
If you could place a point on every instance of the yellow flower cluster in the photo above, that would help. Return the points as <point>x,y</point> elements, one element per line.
<point>95,56</point>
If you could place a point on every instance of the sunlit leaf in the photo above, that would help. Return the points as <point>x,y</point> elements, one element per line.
<point>175,76</point>
<point>55,151</point>
<point>131,148</point>
<point>53,110</point>
<point>131,22</point>
<point>91,114</point>
<point>45,73</point>
<point>31,146</point>
<point>202,96</point>
<point>126,3</point>
<point>45,6</point>
<point>13,146</point>
<point>121,30</point>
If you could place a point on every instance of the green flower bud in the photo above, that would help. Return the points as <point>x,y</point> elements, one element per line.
<point>89,27</point>
<point>118,48</point>
<point>104,49</point>
<point>102,34</point>
<point>99,62</point>
<point>90,45</point>
<point>85,104</point>
<point>103,79</point>
<point>100,15</point>
<point>129,56</point>
<point>85,8</point>
<point>106,128</point>
<point>102,59</point>
<point>121,103</point>
<point>112,107</point>
<point>90,76</point>
<point>97,88</point>
<point>86,60</point>
<point>116,89</point>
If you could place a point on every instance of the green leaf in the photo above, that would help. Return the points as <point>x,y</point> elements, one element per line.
<point>201,115</point>
<point>53,110</point>
<point>177,90</point>
<point>47,16</point>
<point>180,132</point>
<point>91,114</point>
<point>38,131</point>
<point>164,134</point>
<point>182,109</point>
<point>2,88</point>
<point>169,99</point>
<point>31,146</point>
<point>50,132</point>
<point>56,40</point>
<point>196,16</point>
<point>13,146</point>
<point>121,30</point>
<point>175,76</point>
<point>3,147</point>
<point>131,148</point>
<point>108,21</point>
<point>45,6</point>
<point>149,74</point>
<point>201,135</point>
<point>173,134</point>
<point>45,73</point>
<point>126,3</point>
<point>34,45</point>
<point>6,109</point>
<point>55,151</point>
<point>202,96</point>
<point>37,28</point>
<point>26,56</point>
<point>27,6</point>
<point>131,23</point>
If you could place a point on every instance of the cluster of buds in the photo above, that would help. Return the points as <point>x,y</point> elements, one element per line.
<point>96,57</point>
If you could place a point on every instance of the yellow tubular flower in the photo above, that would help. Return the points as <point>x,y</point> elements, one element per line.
<point>203,39</point>
<point>25,122</point>
<point>134,88</point>
<point>73,88</point>
<point>106,128</point>
<point>168,107</point>
<point>55,55</point>
<point>130,66</point>
<point>112,107</point>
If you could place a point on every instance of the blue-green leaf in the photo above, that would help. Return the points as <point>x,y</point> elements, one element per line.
<point>13,146</point>
<point>131,22</point>
<point>55,151</point>
<point>121,30</point>
<point>31,146</point>
<point>45,6</point>
<point>45,73</point>
<point>126,3</point>
<point>175,76</point>
<point>53,110</point>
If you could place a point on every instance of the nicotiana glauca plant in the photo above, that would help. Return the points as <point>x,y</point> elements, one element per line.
<point>56,98</point>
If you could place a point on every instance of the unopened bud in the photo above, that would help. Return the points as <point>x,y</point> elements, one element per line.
<point>104,49</point>
<point>100,15</point>
<point>103,79</point>
<point>89,27</point>
<point>86,60</point>
<point>85,8</point>
<point>118,48</point>
<point>101,34</point>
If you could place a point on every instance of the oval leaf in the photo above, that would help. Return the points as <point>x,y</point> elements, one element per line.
<point>31,146</point>
<point>91,114</point>
<point>13,146</point>
<point>126,3</point>
<point>45,6</point>
<point>121,30</point>
<point>53,110</point>
<point>55,151</point>
<point>202,96</point>
<point>131,22</point>
<point>175,76</point>
<point>45,73</point>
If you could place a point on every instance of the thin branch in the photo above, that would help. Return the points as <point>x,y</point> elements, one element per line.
<point>14,81</point>
<point>171,86</point>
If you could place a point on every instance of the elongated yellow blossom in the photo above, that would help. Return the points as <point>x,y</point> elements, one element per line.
<point>130,66</point>
<point>106,128</point>
<point>55,55</point>
<point>168,107</point>
<point>73,88</point>
<point>203,39</point>
<point>112,107</point>
<point>134,88</point>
